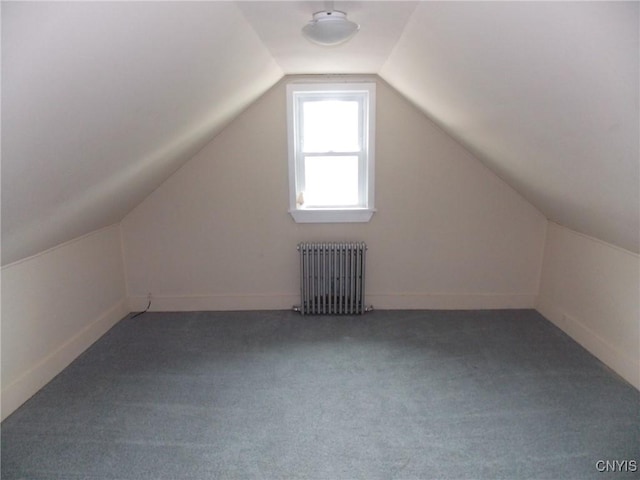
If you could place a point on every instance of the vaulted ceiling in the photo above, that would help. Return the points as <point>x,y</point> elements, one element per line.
<point>101,102</point>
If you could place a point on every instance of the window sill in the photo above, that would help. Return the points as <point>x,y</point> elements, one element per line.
<point>326,215</point>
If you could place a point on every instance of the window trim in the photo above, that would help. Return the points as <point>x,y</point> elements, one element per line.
<point>356,214</point>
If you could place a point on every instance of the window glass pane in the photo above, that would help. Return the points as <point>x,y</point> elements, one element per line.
<point>331,181</point>
<point>330,126</point>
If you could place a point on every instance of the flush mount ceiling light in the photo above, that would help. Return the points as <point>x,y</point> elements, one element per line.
<point>330,27</point>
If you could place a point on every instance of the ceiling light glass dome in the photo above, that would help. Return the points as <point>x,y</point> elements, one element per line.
<point>330,28</point>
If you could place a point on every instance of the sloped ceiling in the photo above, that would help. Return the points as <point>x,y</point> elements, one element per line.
<point>545,93</point>
<point>101,102</point>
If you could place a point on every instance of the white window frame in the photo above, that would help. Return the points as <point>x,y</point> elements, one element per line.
<point>364,93</point>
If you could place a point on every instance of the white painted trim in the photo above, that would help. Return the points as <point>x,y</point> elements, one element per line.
<point>366,187</point>
<point>399,301</point>
<point>450,301</point>
<point>326,215</point>
<point>191,303</point>
<point>627,367</point>
<point>38,375</point>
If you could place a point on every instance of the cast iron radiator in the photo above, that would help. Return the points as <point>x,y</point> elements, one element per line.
<point>332,278</point>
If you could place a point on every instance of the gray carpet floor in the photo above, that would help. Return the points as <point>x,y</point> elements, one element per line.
<point>389,395</point>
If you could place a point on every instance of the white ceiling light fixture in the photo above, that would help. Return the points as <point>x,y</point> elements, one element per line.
<point>330,27</point>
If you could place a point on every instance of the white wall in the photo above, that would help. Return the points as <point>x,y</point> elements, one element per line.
<point>55,305</point>
<point>447,234</point>
<point>591,290</point>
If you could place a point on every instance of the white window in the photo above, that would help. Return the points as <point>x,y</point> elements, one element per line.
<point>331,151</point>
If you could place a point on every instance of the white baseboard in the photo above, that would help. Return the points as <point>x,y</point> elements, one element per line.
<point>449,301</point>
<point>623,364</point>
<point>38,375</point>
<point>194,303</point>
<point>393,301</point>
